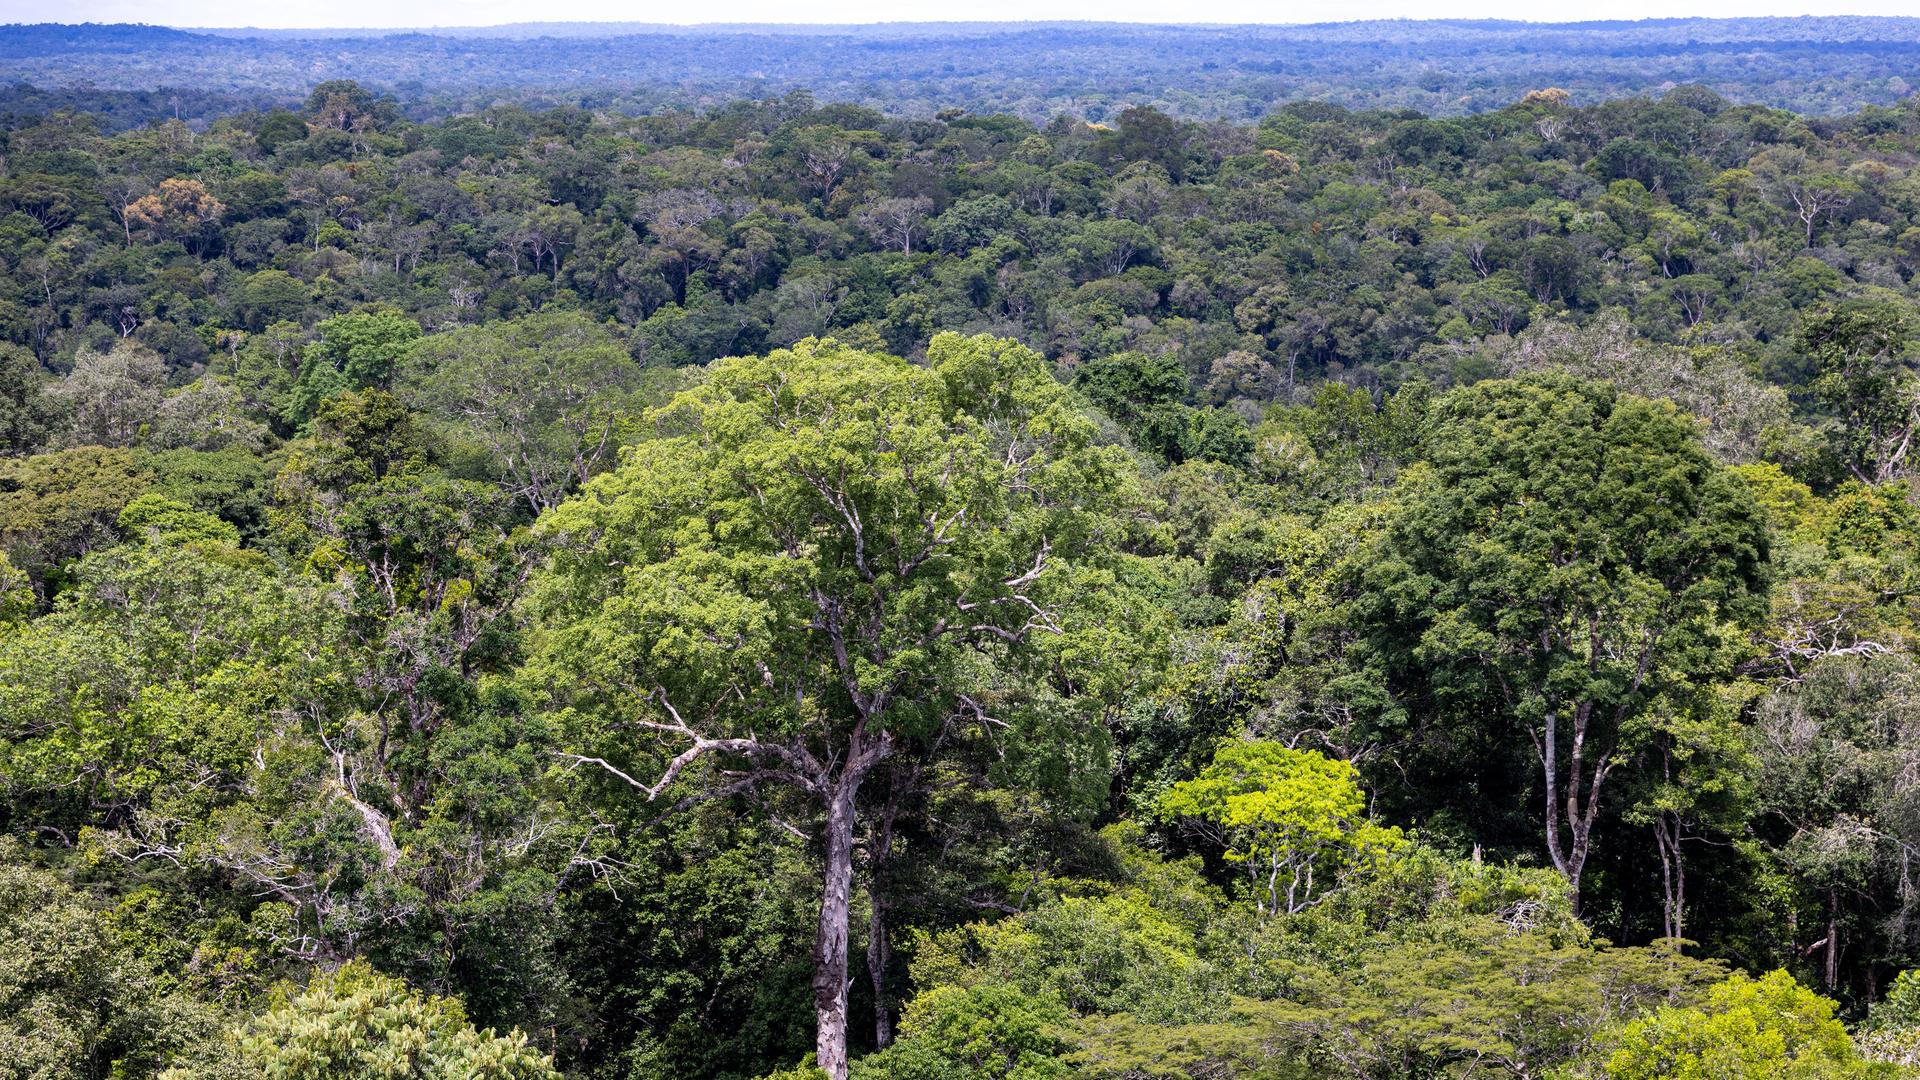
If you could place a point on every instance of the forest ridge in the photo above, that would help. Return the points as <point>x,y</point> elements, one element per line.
<point>1822,65</point>
<point>784,588</point>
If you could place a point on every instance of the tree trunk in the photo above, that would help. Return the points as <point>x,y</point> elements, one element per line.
<point>1833,939</point>
<point>830,945</point>
<point>879,948</point>
<point>1673,875</point>
<point>879,955</point>
<point>1564,794</point>
<point>1549,751</point>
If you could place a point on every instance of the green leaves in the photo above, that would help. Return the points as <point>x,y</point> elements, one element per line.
<point>545,395</point>
<point>58,506</point>
<point>1746,1029</point>
<point>153,679</point>
<point>1864,376</point>
<point>1286,815</point>
<point>1573,555</point>
<point>816,532</point>
<point>817,560</point>
<point>74,1003</point>
<point>979,1033</point>
<point>356,1024</point>
<point>358,351</point>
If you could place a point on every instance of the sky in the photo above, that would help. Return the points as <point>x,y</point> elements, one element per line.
<point>415,13</point>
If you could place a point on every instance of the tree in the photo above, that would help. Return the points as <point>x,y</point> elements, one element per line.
<point>978,1033</point>
<point>1485,995</point>
<point>826,156</point>
<point>27,413</point>
<point>208,415</point>
<point>110,397</point>
<point>1497,304</point>
<point>1105,247</point>
<point>277,128</point>
<point>544,232</point>
<point>179,209</point>
<point>1285,815</point>
<point>1476,997</point>
<point>1744,416</point>
<point>545,394</point>
<point>342,105</point>
<point>431,565</point>
<point>1838,756</point>
<point>271,296</point>
<point>806,565</point>
<point>898,221</point>
<point>1809,195</point>
<point>1145,394</point>
<point>134,708</point>
<point>1698,775</point>
<point>1147,134</point>
<point>1747,1029</point>
<point>359,351</point>
<point>1862,352</point>
<point>74,1005</point>
<point>1115,952</point>
<point>59,506</point>
<point>158,517</point>
<point>1570,555</point>
<point>355,1022</point>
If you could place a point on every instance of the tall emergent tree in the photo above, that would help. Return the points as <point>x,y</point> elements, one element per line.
<point>1571,556</point>
<point>810,563</point>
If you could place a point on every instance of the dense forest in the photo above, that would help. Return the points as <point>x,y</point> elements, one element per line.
<point>1094,71</point>
<point>782,589</point>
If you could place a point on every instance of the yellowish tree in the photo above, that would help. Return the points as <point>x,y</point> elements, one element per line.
<point>1295,820</point>
<point>1747,1029</point>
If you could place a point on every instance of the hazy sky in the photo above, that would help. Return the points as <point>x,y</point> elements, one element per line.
<point>387,13</point>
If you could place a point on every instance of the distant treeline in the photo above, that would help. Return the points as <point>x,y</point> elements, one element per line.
<point>1093,70</point>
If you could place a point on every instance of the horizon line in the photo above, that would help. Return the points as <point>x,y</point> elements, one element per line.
<point>946,23</point>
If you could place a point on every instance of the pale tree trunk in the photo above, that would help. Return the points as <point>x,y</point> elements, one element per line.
<point>839,795</point>
<point>1673,875</point>
<point>830,944</point>
<point>830,968</point>
<point>1577,795</point>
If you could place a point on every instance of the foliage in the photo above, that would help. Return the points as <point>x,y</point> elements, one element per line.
<point>1095,954</point>
<point>1818,66</point>
<point>59,506</point>
<point>1573,556</point>
<point>74,1005</point>
<point>695,580</point>
<point>545,395</point>
<point>355,1022</point>
<point>1769,1026</point>
<point>110,397</point>
<point>980,1033</point>
<point>865,544</point>
<point>1286,815</point>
